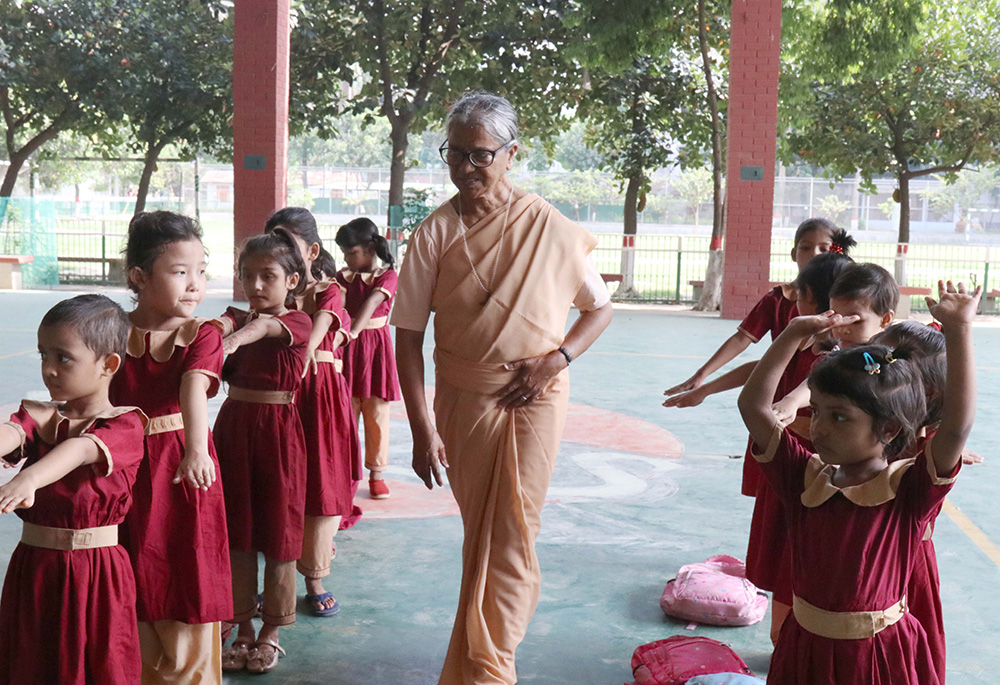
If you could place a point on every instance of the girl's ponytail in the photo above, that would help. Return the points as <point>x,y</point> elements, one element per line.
<point>363,231</point>
<point>382,250</point>
<point>324,267</point>
<point>841,242</point>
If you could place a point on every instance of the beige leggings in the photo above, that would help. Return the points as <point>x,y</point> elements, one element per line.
<point>181,653</point>
<point>279,589</point>
<point>375,411</point>
<point>317,546</point>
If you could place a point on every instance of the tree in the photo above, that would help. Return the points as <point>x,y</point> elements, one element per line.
<point>407,61</point>
<point>962,195</point>
<point>60,63</point>
<point>930,105</point>
<point>694,187</point>
<point>573,152</point>
<point>177,81</point>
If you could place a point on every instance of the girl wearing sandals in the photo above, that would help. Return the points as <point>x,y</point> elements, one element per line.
<point>176,528</point>
<point>333,465</point>
<point>262,449</point>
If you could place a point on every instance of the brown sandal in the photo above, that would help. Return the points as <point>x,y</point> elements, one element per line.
<point>260,662</point>
<point>234,657</point>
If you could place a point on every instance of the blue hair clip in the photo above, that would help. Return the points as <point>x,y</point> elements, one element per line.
<point>871,366</point>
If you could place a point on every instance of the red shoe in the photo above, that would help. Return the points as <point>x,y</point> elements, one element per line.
<point>378,489</point>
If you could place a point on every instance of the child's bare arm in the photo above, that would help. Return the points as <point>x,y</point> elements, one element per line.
<point>364,315</point>
<point>10,440</point>
<point>955,309</point>
<point>197,467</point>
<point>787,408</point>
<point>258,329</point>
<point>729,350</point>
<point>727,381</point>
<point>19,493</point>
<point>758,393</point>
<point>322,321</point>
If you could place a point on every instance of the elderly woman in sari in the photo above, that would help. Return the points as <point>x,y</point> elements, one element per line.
<point>500,268</point>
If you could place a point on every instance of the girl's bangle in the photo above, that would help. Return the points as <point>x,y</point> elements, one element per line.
<point>565,353</point>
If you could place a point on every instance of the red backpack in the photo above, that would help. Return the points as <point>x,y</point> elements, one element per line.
<point>677,659</point>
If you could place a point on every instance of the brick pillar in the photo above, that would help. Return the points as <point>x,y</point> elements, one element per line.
<point>260,116</point>
<point>755,45</point>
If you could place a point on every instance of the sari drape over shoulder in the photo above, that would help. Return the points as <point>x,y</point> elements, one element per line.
<point>500,462</point>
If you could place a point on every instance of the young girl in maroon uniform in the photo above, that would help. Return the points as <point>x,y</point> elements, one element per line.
<point>262,449</point>
<point>67,614</point>
<point>176,530</point>
<point>324,402</point>
<point>369,362</point>
<point>768,563</point>
<point>855,519</point>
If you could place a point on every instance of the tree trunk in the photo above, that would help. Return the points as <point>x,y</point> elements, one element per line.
<point>711,294</point>
<point>626,289</point>
<point>397,166</point>
<point>148,167</point>
<point>17,160</point>
<point>904,229</point>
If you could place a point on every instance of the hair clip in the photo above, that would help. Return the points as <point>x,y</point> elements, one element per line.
<point>871,366</point>
<point>889,359</point>
<point>836,249</point>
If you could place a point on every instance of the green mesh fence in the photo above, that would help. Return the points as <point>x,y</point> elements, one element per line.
<point>28,227</point>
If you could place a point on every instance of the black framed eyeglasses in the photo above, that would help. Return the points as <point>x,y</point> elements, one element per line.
<point>478,158</point>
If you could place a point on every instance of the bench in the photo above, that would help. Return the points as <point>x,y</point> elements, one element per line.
<point>10,270</point>
<point>905,293</point>
<point>612,278</point>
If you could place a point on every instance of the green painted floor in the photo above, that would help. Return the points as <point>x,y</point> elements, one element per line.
<point>622,521</point>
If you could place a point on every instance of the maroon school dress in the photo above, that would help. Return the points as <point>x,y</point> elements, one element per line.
<point>176,535</point>
<point>369,363</point>
<point>853,550</point>
<point>68,617</point>
<point>770,315</point>
<point>333,463</point>
<point>261,447</point>
<point>769,562</point>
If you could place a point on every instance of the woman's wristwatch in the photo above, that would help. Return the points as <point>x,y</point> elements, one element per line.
<point>565,353</point>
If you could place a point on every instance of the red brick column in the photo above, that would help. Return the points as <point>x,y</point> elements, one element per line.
<point>755,45</point>
<point>260,115</point>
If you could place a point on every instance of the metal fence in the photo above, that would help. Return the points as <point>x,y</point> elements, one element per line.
<point>670,268</point>
<point>666,268</point>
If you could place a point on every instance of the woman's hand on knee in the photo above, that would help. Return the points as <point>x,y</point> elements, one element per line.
<point>429,458</point>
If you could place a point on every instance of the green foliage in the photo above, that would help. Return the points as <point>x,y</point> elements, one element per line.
<point>694,186</point>
<point>418,203</point>
<point>932,109</point>
<point>60,68</point>
<point>573,152</point>
<point>967,190</point>
<point>833,208</point>
<point>888,207</point>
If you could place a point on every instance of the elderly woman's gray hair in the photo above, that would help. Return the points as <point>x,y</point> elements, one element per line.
<point>494,113</point>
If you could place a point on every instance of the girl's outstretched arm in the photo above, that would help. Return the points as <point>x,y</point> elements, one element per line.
<point>322,321</point>
<point>955,309</point>
<point>758,392</point>
<point>19,493</point>
<point>10,440</point>
<point>727,381</point>
<point>364,315</point>
<point>258,329</point>
<point>729,350</point>
<point>196,467</point>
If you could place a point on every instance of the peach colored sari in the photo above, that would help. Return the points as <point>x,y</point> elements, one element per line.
<point>501,462</point>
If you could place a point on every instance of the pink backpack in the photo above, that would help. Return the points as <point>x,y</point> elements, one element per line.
<point>715,592</point>
<point>679,658</point>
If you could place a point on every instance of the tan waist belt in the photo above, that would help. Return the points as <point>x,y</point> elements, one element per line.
<point>261,396</point>
<point>846,625</point>
<point>326,357</point>
<point>165,424</point>
<point>68,539</point>
<point>377,322</point>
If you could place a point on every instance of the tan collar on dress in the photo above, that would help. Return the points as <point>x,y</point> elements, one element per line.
<point>306,302</point>
<point>162,343</point>
<point>48,419</point>
<point>819,485</point>
<point>366,277</point>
